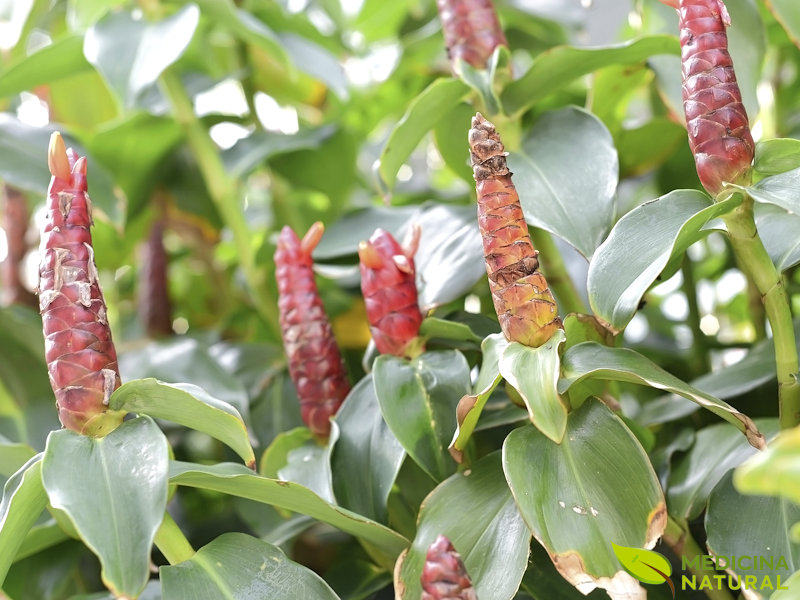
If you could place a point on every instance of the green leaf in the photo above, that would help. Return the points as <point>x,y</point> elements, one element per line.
<point>238,480</point>
<point>252,151</point>
<point>778,230</point>
<point>309,465</point>
<point>792,585</point>
<point>454,151</point>
<point>775,471</point>
<point>23,501</point>
<point>533,372</point>
<point>752,526</point>
<point>566,177</point>
<point>640,246</point>
<point>236,566</point>
<point>776,156</point>
<point>787,14</point>
<point>574,513</point>
<point>82,14</point>
<point>418,401</point>
<point>276,455</point>
<point>63,58</point>
<point>366,457</point>
<point>13,456</point>
<point>132,54</point>
<point>555,68</point>
<point>114,491</point>
<point>41,537</point>
<point>645,565</point>
<point>422,115</point>
<point>316,61</point>
<point>187,405</point>
<point>780,190</point>
<point>452,331</point>
<point>717,449</point>
<point>591,359</point>
<point>471,405</point>
<point>477,513</point>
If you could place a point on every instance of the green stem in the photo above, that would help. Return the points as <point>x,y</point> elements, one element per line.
<point>554,270</point>
<point>700,356</point>
<point>224,192</point>
<point>757,264</point>
<point>684,545</point>
<point>171,541</point>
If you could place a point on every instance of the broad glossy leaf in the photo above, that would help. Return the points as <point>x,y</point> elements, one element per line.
<point>533,372</point>
<point>471,405</point>
<point>23,501</point>
<point>778,230</point>
<point>780,190</point>
<point>250,152</point>
<point>309,464</point>
<point>787,13</point>
<point>555,68</point>
<point>566,177</point>
<point>418,401</point>
<point>591,359</point>
<point>114,491</point>
<point>775,471</point>
<point>366,456</point>
<point>236,566</point>
<point>543,582</point>
<point>187,405</point>
<point>238,480</point>
<point>422,115</point>
<point>752,526</point>
<point>574,513</point>
<point>13,456</point>
<point>452,331</point>
<point>341,238</point>
<point>477,513</point>
<point>776,156</point>
<point>63,58</point>
<point>453,148</point>
<point>640,246</point>
<point>716,450</point>
<point>131,54</point>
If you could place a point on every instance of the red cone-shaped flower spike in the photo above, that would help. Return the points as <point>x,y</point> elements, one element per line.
<point>443,575</point>
<point>80,354</point>
<point>525,306</point>
<point>719,132</point>
<point>471,31</point>
<point>155,309</point>
<point>315,362</point>
<point>390,293</point>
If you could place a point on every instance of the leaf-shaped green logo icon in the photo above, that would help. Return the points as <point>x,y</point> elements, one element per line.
<point>647,566</point>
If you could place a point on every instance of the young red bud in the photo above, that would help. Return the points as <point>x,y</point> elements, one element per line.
<point>719,132</point>
<point>524,304</point>
<point>390,293</point>
<point>471,31</point>
<point>443,575</point>
<point>79,350</point>
<point>315,363</point>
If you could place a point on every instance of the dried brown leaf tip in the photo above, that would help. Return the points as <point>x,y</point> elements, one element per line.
<point>719,131</point>
<point>471,31</point>
<point>522,299</point>
<point>315,363</point>
<point>80,353</point>
<point>443,575</point>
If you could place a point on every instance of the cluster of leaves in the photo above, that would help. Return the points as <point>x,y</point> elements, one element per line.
<point>531,461</point>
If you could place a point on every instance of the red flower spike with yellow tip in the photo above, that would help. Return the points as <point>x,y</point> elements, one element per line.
<point>524,304</point>
<point>315,363</point>
<point>443,575</point>
<point>471,31</point>
<point>388,283</point>
<point>80,353</point>
<point>719,131</point>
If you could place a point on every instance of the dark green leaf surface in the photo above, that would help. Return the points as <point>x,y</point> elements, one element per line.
<point>187,405</point>
<point>236,566</point>
<point>640,246</point>
<point>366,456</point>
<point>780,190</point>
<point>574,513</point>
<point>114,491</point>
<point>566,177</point>
<point>418,401</point>
<point>476,511</point>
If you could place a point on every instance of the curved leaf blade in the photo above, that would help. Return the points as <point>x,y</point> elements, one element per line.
<point>63,58</point>
<point>187,405</point>
<point>787,14</point>
<point>775,471</point>
<point>114,491</point>
<point>236,566</point>
<point>780,190</point>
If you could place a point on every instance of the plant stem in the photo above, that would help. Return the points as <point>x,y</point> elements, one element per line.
<point>553,268</point>
<point>757,264</point>
<point>171,541</point>
<point>684,545</point>
<point>699,347</point>
<point>224,192</point>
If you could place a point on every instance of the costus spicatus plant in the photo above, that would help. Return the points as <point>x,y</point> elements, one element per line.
<point>471,31</point>
<point>444,576</point>
<point>388,283</point>
<point>80,353</point>
<point>315,363</point>
<point>524,304</point>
